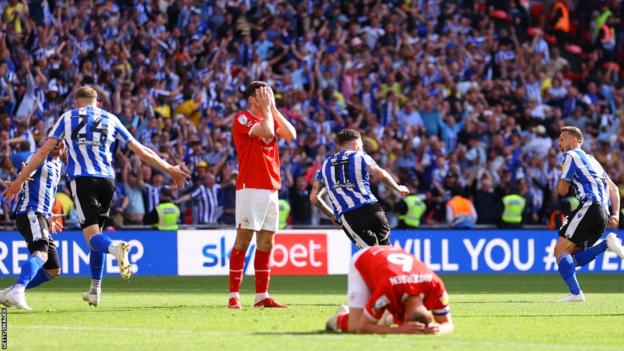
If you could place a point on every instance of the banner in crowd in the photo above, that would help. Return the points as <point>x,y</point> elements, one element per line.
<point>309,252</point>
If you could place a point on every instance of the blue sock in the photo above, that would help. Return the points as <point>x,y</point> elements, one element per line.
<point>41,277</point>
<point>29,270</point>
<point>567,271</point>
<point>96,261</point>
<point>100,243</point>
<point>584,257</point>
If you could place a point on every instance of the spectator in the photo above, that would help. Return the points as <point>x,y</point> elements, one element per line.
<point>431,89</point>
<point>460,212</point>
<point>208,198</point>
<point>133,189</point>
<point>301,208</point>
<point>487,202</point>
<point>166,214</point>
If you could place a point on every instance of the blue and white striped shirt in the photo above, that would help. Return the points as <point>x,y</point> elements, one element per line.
<point>151,197</point>
<point>346,177</point>
<point>208,203</point>
<point>588,178</point>
<point>38,194</point>
<point>90,134</point>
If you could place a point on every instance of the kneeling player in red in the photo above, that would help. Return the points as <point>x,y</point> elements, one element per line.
<point>388,287</point>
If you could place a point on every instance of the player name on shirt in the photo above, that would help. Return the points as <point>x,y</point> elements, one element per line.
<point>411,279</point>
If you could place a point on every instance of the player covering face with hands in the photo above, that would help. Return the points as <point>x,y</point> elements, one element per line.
<point>35,222</point>
<point>90,134</point>
<point>255,132</point>
<point>392,292</point>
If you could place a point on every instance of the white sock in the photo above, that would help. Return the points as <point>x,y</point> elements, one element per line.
<point>96,286</point>
<point>19,288</point>
<point>112,249</point>
<point>261,296</point>
<point>234,295</point>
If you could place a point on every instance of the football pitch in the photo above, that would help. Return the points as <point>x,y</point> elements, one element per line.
<point>491,312</point>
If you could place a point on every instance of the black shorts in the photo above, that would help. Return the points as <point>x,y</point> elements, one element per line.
<point>367,226</point>
<point>34,229</point>
<point>93,197</point>
<point>585,225</point>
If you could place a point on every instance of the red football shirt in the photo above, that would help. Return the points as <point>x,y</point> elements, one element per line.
<point>259,166</point>
<point>392,274</point>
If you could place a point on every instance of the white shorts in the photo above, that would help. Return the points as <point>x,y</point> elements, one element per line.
<point>257,209</point>
<point>357,290</point>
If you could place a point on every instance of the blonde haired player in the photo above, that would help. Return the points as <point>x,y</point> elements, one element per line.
<point>90,134</point>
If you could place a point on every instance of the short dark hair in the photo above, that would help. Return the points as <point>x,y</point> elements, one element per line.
<point>346,135</point>
<point>574,131</point>
<point>252,87</point>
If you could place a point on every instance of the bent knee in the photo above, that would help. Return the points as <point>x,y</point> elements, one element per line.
<point>41,254</point>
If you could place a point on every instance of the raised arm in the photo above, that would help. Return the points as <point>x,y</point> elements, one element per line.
<point>266,129</point>
<point>286,129</point>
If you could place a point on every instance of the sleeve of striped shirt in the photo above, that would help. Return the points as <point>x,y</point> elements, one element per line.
<point>121,133</point>
<point>58,130</point>
<point>368,161</point>
<point>319,176</point>
<point>196,193</point>
<point>568,168</point>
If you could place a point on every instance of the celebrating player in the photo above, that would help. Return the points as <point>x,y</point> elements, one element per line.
<point>90,133</point>
<point>386,281</point>
<point>33,214</point>
<point>585,225</point>
<point>254,134</point>
<point>346,177</point>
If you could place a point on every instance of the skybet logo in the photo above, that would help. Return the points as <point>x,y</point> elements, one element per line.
<point>300,254</point>
<point>208,253</point>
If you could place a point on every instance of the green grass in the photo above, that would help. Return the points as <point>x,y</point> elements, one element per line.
<point>495,312</point>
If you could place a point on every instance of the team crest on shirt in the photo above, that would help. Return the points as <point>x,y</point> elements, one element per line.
<point>242,120</point>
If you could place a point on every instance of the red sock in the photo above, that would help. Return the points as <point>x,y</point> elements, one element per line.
<point>262,266</point>
<point>343,322</point>
<point>237,268</point>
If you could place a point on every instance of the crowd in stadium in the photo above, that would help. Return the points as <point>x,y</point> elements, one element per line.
<point>453,97</point>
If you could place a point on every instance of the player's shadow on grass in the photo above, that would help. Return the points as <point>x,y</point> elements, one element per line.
<point>315,332</point>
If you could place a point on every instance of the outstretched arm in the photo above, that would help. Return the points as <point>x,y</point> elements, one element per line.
<point>178,173</point>
<point>383,175</point>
